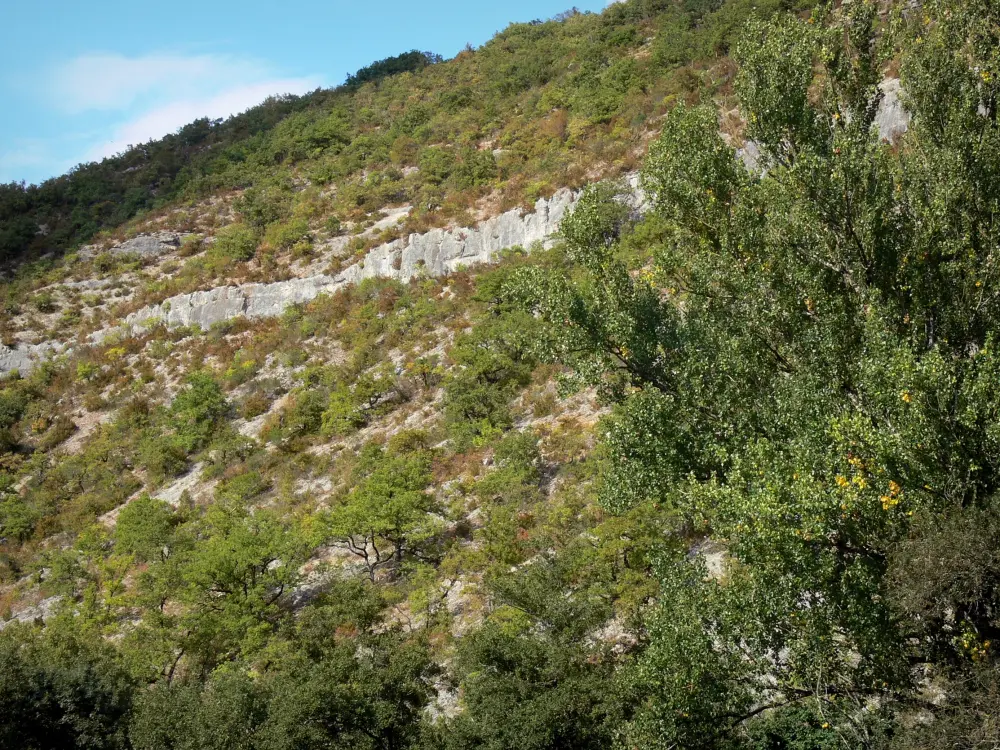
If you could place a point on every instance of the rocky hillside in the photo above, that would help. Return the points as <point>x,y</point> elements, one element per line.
<point>627,381</point>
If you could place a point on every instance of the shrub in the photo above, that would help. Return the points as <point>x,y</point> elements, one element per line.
<point>436,164</point>
<point>143,527</point>
<point>243,487</point>
<point>283,235</point>
<point>333,225</point>
<point>236,242</point>
<point>198,409</point>
<point>44,302</point>
<point>254,405</point>
<point>163,456</point>
<point>258,207</point>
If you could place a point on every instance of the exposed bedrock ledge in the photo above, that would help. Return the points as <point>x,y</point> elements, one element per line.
<point>435,253</point>
<point>25,358</point>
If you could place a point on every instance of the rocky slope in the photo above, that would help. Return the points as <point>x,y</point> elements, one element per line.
<point>434,253</point>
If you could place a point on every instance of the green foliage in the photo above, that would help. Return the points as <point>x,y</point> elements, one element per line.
<point>144,527</point>
<point>65,690</point>
<point>475,168</point>
<point>387,511</point>
<point>197,410</point>
<point>529,677</point>
<point>795,541</point>
<point>492,364</point>
<point>236,242</point>
<point>351,407</point>
<point>436,164</point>
<point>17,518</point>
<point>259,207</point>
<point>405,63</point>
<point>282,236</point>
<point>779,367</point>
<point>324,695</point>
<point>233,579</point>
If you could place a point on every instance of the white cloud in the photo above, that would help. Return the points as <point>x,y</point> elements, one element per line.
<point>108,81</point>
<point>130,100</point>
<point>172,115</point>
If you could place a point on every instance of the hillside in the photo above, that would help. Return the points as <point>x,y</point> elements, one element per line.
<point>628,381</point>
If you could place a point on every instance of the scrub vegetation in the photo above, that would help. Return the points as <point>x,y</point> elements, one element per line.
<point>717,474</point>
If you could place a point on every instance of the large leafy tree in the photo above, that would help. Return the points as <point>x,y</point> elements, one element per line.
<point>800,366</point>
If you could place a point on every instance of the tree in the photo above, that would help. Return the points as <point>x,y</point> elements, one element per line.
<point>493,362</point>
<point>143,528</point>
<point>530,676</point>
<point>197,410</point>
<point>332,682</point>
<point>797,367</point>
<point>387,512</point>
<point>65,689</point>
<point>233,579</point>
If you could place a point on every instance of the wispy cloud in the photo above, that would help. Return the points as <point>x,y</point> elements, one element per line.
<point>121,101</point>
<point>108,81</point>
<point>168,117</point>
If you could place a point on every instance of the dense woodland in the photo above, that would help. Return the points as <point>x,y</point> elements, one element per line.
<point>774,527</point>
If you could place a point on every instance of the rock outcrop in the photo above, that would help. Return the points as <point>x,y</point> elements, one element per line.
<point>148,245</point>
<point>434,253</point>
<point>892,120</point>
<point>25,358</point>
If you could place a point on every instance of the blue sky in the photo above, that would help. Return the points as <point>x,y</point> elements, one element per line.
<point>83,80</point>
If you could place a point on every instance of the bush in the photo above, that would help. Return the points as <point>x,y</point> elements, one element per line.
<point>70,695</point>
<point>163,456</point>
<point>144,527</point>
<point>44,302</point>
<point>283,235</point>
<point>236,242</point>
<point>259,207</point>
<point>197,410</point>
<point>436,164</point>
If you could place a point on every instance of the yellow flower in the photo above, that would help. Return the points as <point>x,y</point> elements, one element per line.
<point>905,395</point>
<point>894,488</point>
<point>889,502</point>
<point>842,481</point>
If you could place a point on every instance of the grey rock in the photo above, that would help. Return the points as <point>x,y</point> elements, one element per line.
<point>892,119</point>
<point>43,611</point>
<point>25,357</point>
<point>749,154</point>
<point>148,245</point>
<point>435,253</point>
